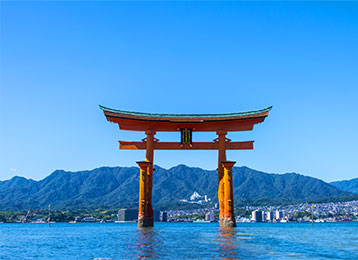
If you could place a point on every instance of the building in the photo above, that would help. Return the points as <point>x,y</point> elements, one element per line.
<point>163,216</point>
<point>269,216</point>
<point>279,215</point>
<point>127,214</point>
<point>257,216</point>
<point>88,219</point>
<point>132,215</point>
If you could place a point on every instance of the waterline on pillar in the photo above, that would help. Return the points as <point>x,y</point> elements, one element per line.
<point>145,222</point>
<point>228,223</point>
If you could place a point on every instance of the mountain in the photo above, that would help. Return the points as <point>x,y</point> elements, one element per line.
<point>350,185</point>
<point>115,187</point>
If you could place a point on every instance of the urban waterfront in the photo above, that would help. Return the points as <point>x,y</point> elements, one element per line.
<point>179,240</point>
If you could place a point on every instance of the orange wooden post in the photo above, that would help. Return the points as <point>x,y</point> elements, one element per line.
<point>143,216</point>
<point>229,216</point>
<point>222,157</point>
<point>149,157</point>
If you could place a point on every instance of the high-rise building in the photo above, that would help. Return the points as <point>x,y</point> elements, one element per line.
<point>257,216</point>
<point>127,214</point>
<point>269,216</point>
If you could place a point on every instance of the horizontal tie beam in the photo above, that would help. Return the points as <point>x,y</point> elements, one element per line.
<point>129,145</point>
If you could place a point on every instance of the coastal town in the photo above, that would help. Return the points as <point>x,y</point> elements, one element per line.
<point>303,212</point>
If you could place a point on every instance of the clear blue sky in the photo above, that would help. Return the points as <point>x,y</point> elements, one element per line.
<point>59,60</point>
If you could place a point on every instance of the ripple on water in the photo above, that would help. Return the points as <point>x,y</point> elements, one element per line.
<point>179,240</point>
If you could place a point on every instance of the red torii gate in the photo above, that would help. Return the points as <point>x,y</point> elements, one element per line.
<point>186,124</point>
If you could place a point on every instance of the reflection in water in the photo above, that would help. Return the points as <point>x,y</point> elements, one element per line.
<point>228,243</point>
<point>147,243</point>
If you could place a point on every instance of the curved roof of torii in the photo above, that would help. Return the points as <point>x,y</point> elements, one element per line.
<point>138,121</point>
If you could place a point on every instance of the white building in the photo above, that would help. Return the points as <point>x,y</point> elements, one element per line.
<point>269,216</point>
<point>195,196</point>
<point>278,215</point>
<point>257,216</point>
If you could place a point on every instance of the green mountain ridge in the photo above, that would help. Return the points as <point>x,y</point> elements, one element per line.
<point>347,185</point>
<point>117,187</point>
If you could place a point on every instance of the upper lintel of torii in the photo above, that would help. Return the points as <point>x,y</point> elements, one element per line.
<point>138,121</point>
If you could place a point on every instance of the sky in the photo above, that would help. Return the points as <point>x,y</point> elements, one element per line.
<point>60,60</point>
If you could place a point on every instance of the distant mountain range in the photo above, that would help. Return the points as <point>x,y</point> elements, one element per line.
<point>117,187</point>
<point>350,185</point>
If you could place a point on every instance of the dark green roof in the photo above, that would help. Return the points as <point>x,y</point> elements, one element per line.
<point>186,115</point>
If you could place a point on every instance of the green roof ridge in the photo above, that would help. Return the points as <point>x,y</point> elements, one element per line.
<point>185,115</point>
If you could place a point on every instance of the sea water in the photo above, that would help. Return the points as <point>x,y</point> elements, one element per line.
<point>179,241</point>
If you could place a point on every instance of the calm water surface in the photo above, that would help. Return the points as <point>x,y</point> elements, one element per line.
<point>179,241</point>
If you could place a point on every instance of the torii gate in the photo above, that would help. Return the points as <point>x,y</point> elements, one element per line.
<point>186,124</point>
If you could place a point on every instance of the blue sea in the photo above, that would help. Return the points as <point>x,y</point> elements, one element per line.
<point>179,241</point>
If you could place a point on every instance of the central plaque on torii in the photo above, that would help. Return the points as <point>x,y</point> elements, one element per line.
<point>186,124</point>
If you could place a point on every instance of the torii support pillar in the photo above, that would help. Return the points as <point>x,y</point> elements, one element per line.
<point>229,216</point>
<point>145,211</point>
<point>222,157</point>
<point>149,157</point>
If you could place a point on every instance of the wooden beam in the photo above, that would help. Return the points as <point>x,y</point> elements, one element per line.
<point>128,145</point>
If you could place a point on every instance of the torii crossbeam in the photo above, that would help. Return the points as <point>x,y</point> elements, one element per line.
<point>186,124</point>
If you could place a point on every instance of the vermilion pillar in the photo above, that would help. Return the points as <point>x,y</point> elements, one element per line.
<point>229,216</point>
<point>149,157</point>
<point>222,157</point>
<point>145,217</point>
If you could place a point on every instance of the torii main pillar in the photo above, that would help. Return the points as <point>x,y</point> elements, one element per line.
<point>228,219</point>
<point>145,212</point>
<point>145,216</point>
<point>221,188</point>
<point>225,187</point>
